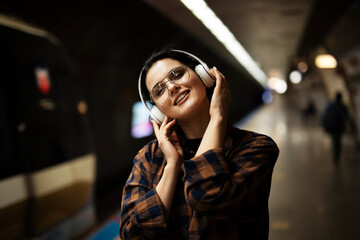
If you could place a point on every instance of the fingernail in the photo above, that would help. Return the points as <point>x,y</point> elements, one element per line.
<point>214,68</point>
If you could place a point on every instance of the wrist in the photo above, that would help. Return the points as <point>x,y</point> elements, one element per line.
<point>218,120</point>
<point>172,166</point>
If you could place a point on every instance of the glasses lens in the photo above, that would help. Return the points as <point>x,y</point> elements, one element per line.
<point>159,93</point>
<point>179,75</point>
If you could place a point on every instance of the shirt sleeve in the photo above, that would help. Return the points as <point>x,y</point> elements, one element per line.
<point>222,184</point>
<point>142,213</point>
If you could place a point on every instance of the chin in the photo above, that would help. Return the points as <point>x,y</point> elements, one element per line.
<point>189,110</point>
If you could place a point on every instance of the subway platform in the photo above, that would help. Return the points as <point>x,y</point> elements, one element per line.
<point>310,198</point>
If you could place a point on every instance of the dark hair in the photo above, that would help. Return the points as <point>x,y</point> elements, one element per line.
<point>168,52</point>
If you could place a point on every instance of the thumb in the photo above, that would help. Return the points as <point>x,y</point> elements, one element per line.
<point>176,142</point>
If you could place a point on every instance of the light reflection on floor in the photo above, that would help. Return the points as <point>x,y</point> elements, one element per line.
<point>310,197</point>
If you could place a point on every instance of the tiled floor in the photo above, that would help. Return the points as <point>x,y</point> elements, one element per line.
<point>310,197</point>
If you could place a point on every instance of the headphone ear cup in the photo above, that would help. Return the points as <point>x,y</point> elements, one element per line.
<point>204,75</point>
<point>157,115</point>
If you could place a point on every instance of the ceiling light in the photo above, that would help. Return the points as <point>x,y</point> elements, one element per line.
<point>201,10</point>
<point>295,77</point>
<point>325,61</point>
<point>277,84</point>
<point>302,66</point>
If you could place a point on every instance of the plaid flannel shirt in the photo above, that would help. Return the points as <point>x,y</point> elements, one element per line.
<point>221,194</point>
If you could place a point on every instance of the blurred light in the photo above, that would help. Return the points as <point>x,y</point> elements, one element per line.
<point>272,82</point>
<point>325,61</point>
<point>295,77</point>
<point>47,104</point>
<point>82,107</point>
<point>43,79</point>
<point>201,10</point>
<point>140,124</point>
<point>281,87</point>
<point>302,66</point>
<point>267,96</point>
<point>21,127</point>
<point>277,84</point>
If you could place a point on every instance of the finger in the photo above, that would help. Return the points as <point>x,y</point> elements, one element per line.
<point>224,83</point>
<point>162,130</point>
<point>155,124</point>
<point>218,76</point>
<point>175,141</point>
<point>168,126</point>
<point>212,71</point>
<point>166,120</point>
<point>222,75</point>
<point>219,84</point>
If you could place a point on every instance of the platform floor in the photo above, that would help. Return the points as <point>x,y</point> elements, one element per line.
<point>310,198</point>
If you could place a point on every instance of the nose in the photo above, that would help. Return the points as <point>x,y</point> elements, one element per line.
<point>173,88</point>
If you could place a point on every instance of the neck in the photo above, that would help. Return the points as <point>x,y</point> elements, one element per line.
<point>195,126</point>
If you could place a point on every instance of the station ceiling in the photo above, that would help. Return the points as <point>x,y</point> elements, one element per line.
<point>276,33</point>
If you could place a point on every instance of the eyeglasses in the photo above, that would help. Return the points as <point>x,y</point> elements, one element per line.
<point>177,76</point>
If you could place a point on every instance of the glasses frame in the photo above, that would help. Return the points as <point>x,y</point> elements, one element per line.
<point>169,80</point>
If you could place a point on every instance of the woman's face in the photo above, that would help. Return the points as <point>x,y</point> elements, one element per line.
<point>184,101</point>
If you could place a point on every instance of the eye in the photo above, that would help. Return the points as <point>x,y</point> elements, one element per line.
<point>177,74</point>
<point>159,90</point>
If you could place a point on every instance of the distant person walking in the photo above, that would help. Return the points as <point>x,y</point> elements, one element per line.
<point>334,121</point>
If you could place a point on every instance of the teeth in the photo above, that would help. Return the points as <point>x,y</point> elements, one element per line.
<point>181,97</point>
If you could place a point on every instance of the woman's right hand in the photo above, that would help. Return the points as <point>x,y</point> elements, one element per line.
<point>170,146</point>
<point>169,142</point>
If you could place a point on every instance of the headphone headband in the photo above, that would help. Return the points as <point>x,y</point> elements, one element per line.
<point>192,55</point>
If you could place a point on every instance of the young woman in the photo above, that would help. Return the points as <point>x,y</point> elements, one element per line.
<point>201,178</point>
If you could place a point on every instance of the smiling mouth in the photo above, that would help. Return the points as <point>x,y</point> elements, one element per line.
<point>181,97</point>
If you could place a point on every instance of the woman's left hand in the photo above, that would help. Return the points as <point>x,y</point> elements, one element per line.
<point>219,107</point>
<point>220,101</point>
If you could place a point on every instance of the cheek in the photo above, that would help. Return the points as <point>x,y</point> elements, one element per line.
<point>166,109</point>
<point>199,87</point>
<point>195,82</point>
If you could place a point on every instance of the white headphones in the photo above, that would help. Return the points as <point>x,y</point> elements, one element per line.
<point>201,69</point>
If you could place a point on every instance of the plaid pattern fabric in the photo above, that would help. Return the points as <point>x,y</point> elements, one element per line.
<point>221,194</point>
